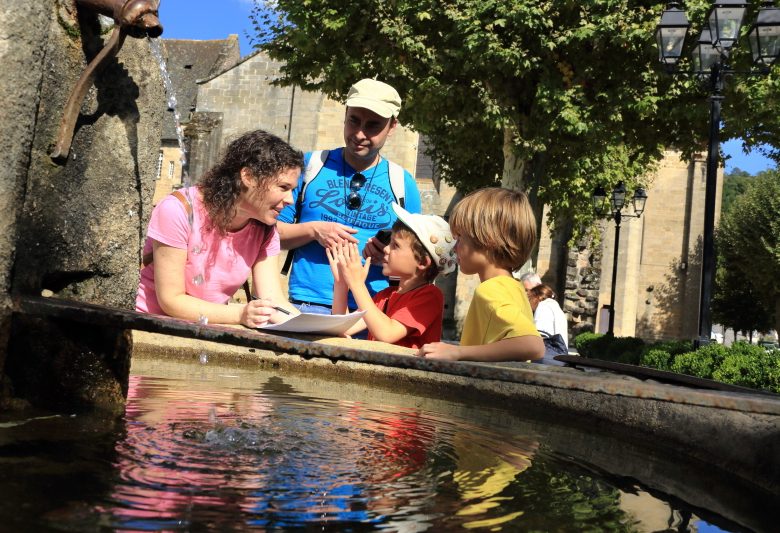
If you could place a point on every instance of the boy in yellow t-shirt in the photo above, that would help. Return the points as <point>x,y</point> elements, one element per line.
<point>495,231</point>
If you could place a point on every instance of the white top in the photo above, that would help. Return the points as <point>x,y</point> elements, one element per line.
<point>549,318</point>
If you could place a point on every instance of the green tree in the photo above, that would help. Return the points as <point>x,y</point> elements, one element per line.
<point>736,302</point>
<point>749,244</point>
<point>734,184</point>
<point>552,96</point>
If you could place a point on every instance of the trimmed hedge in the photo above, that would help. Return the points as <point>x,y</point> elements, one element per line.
<point>742,363</point>
<point>618,349</point>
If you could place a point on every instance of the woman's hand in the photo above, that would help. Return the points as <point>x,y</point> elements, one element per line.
<point>331,233</point>
<point>350,266</point>
<point>440,350</point>
<point>257,313</point>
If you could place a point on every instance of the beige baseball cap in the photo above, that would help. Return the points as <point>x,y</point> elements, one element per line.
<point>375,96</point>
<point>434,233</point>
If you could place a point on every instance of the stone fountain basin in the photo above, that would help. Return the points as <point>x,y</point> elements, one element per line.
<point>684,428</point>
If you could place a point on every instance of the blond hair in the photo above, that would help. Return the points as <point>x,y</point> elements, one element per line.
<point>500,222</point>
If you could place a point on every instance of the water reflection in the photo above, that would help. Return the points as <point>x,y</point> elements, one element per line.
<point>230,450</point>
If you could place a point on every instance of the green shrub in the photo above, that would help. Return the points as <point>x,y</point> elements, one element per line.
<point>745,348</point>
<point>672,347</point>
<point>741,364</point>
<point>742,369</point>
<point>626,350</point>
<point>609,348</point>
<point>693,364</point>
<point>583,341</point>
<point>716,352</point>
<point>701,363</point>
<point>773,372</point>
<point>656,358</point>
<point>750,366</point>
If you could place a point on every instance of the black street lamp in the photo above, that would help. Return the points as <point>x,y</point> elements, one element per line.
<point>613,208</point>
<point>710,61</point>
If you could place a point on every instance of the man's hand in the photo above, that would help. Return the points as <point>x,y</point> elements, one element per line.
<point>374,250</point>
<point>440,350</point>
<point>330,233</point>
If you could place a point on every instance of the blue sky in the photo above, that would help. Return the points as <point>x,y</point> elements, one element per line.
<point>753,163</point>
<point>206,19</point>
<point>216,19</point>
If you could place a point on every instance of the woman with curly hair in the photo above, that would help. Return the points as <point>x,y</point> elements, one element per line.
<point>204,241</point>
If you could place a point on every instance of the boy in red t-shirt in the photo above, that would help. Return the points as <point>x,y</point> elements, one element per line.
<point>421,247</point>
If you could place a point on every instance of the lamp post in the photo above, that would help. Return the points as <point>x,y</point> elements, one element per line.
<point>710,62</point>
<point>613,208</point>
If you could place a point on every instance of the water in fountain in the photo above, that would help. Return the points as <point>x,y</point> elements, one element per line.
<point>235,449</point>
<point>170,92</point>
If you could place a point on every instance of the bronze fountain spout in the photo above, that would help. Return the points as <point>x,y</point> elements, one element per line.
<point>137,18</point>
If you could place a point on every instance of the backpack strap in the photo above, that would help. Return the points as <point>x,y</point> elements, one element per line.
<point>316,162</point>
<point>147,259</point>
<point>397,181</point>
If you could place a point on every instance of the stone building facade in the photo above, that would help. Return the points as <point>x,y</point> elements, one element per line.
<point>659,261</point>
<point>245,98</point>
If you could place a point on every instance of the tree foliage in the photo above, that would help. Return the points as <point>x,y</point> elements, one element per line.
<point>734,184</point>
<point>554,96</point>
<point>749,253</point>
<point>737,304</point>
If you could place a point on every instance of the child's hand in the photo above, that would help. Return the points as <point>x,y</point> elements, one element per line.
<point>333,252</point>
<point>440,350</point>
<point>351,268</point>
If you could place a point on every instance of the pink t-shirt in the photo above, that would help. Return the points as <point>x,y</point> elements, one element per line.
<point>216,265</point>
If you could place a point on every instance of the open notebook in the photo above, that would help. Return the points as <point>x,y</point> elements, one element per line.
<point>318,324</point>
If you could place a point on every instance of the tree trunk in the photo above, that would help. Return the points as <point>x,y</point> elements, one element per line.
<point>777,315</point>
<point>514,167</point>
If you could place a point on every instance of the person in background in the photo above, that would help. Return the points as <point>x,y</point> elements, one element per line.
<point>495,231</point>
<point>348,201</point>
<point>204,241</point>
<point>421,247</point>
<point>530,280</point>
<point>550,321</point>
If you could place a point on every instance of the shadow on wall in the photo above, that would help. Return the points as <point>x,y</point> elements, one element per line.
<point>116,91</point>
<point>76,240</point>
<point>671,308</point>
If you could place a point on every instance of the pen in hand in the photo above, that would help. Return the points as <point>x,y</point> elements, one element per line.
<point>280,309</point>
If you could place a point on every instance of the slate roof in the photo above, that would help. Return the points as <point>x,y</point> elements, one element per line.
<point>189,61</point>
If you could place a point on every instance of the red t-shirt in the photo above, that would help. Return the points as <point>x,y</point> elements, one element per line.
<point>420,310</point>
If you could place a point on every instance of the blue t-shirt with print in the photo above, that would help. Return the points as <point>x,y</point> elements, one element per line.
<point>325,200</point>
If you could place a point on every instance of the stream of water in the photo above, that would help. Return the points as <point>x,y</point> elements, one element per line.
<point>170,92</point>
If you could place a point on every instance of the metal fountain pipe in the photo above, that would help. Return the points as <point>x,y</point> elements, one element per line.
<point>137,18</point>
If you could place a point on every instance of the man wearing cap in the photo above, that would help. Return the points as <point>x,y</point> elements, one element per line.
<point>349,200</point>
